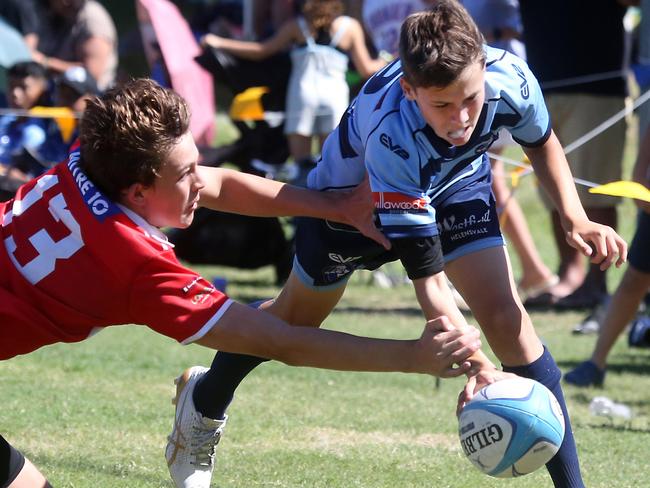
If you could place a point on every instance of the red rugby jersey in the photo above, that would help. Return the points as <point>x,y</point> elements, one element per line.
<point>72,261</point>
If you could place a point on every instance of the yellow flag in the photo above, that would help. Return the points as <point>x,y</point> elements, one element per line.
<point>247,105</point>
<point>64,117</point>
<point>628,189</point>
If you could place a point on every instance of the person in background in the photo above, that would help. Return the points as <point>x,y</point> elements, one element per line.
<point>500,24</point>
<point>321,40</point>
<point>73,89</point>
<point>29,145</point>
<point>382,20</point>
<point>78,33</point>
<point>630,292</point>
<point>578,55</point>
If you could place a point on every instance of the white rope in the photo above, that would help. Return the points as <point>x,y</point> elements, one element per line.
<point>606,124</point>
<point>580,141</point>
<point>28,113</point>
<point>580,80</point>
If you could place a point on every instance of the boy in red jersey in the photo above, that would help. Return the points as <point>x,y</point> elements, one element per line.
<point>96,218</point>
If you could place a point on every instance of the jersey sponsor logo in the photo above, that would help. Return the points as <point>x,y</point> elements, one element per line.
<point>398,202</point>
<point>202,296</point>
<point>99,205</point>
<point>191,284</point>
<point>449,224</point>
<point>395,148</point>
<point>337,258</point>
<point>523,88</point>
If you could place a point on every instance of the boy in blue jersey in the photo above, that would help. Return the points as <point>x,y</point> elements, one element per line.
<point>420,129</point>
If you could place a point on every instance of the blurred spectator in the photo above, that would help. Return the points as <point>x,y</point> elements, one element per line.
<point>383,19</point>
<point>28,145</point>
<point>500,23</point>
<point>78,33</point>
<point>318,93</point>
<point>267,16</point>
<point>577,52</point>
<point>21,15</point>
<point>73,88</point>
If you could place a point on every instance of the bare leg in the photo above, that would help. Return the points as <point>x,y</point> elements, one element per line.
<point>620,312</point>
<point>299,305</point>
<point>497,307</point>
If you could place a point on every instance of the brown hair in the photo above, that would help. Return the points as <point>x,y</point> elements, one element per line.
<point>127,134</point>
<point>321,13</point>
<point>436,45</point>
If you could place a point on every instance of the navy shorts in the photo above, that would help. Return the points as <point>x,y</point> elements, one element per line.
<point>639,255</point>
<point>327,253</point>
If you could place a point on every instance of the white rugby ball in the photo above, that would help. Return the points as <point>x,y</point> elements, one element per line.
<point>511,427</point>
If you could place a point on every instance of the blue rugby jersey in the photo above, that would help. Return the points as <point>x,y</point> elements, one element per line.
<point>409,166</point>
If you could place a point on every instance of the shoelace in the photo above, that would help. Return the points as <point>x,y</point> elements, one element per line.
<point>204,443</point>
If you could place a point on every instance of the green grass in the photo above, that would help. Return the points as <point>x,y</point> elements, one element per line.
<point>96,414</point>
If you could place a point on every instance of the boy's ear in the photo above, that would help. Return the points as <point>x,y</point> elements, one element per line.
<point>134,196</point>
<point>407,88</point>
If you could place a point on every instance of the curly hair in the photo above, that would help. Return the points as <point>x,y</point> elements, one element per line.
<point>321,13</point>
<point>436,45</point>
<point>127,134</point>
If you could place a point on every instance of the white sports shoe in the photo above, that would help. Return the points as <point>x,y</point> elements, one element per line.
<point>191,446</point>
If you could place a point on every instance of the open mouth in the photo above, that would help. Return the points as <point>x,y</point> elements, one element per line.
<point>459,133</point>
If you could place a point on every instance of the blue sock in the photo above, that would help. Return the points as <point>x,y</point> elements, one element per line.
<point>216,389</point>
<point>564,468</point>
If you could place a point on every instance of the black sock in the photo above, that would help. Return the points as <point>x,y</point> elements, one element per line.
<point>564,468</point>
<point>215,390</point>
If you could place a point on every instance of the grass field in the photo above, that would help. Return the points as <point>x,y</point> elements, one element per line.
<point>96,414</point>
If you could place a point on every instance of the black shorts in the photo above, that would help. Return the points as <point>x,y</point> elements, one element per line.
<point>11,463</point>
<point>639,255</point>
<point>327,253</point>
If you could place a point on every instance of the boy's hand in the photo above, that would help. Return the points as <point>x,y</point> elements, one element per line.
<point>477,381</point>
<point>600,242</point>
<point>443,349</point>
<point>357,209</point>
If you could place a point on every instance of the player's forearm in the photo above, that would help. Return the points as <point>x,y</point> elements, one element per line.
<point>236,192</point>
<point>245,330</point>
<point>243,49</point>
<point>554,174</point>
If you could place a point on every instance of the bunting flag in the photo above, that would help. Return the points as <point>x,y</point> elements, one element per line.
<point>629,189</point>
<point>188,78</point>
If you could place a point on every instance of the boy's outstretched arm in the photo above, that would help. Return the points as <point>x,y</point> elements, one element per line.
<point>600,242</point>
<point>236,192</point>
<point>442,349</point>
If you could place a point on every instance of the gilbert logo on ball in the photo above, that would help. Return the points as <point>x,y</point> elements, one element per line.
<point>511,427</point>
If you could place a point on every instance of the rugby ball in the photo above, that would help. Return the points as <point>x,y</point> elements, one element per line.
<point>511,427</point>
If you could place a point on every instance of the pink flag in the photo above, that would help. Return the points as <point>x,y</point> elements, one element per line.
<point>188,78</point>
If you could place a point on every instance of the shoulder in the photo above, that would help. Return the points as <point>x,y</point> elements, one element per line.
<point>508,75</point>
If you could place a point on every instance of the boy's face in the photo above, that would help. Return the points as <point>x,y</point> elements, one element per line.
<point>174,196</point>
<point>25,92</point>
<point>452,111</point>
